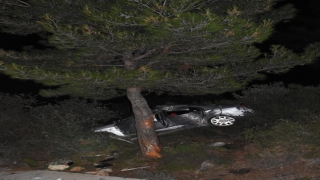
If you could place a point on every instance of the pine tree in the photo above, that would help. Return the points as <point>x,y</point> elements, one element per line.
<point>106,48</point>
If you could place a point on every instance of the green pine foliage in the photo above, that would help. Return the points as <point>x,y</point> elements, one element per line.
<point>283,115</point>
<point>182,46</point>
<point>29,126</point>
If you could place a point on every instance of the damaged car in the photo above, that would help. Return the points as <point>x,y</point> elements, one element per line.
<point>169,118</point>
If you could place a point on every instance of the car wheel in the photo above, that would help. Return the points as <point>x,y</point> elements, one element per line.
<point>221,120</point>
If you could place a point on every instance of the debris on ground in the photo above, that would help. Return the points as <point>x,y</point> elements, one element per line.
<point>206,165</point>
<point>77,169</point>
<point>60,164</point>
<point>59,167</point>
<point>130,169</point>
<point>100,172</point>
<point>217,144</point>
<point>105,162</point>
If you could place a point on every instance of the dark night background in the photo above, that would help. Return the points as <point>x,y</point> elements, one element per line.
<point>295,34</point>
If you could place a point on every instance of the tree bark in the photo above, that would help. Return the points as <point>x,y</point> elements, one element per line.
<point>144,118</point>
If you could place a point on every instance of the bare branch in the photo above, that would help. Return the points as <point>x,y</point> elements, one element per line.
<point>22,4</point>
<point>25,4</point>
<point>145,55</point>
<point>146,6</point>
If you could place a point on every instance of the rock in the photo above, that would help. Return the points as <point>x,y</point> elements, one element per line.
<point>61,162</point>
<point>206,165</point>
<point>58,167</point>
<point>101,172</point>
<point>114,154</point>
<point>217,144</point>
<point>77,169</point>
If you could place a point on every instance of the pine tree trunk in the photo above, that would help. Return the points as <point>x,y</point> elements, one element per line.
<point>144,118</point>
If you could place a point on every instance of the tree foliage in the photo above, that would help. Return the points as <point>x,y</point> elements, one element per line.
<point>29,126</point>
<point>182,46</point>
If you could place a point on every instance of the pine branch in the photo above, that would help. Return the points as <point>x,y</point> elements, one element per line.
<point>22,4</point>
<point>145,55</point>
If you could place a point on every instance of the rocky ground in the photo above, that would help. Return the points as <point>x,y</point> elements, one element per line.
<point>6,174</point>
<point>240,161</point>
<point>200,156</point>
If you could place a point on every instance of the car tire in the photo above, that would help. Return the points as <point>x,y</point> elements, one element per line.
<point>221,120</point>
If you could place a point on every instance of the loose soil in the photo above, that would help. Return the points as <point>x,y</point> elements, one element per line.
<point>190,155</point>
